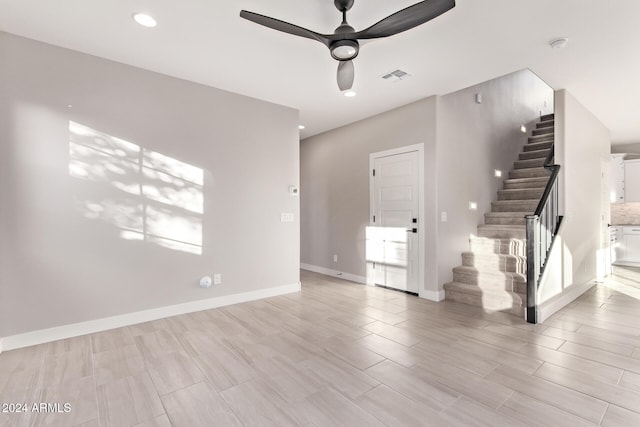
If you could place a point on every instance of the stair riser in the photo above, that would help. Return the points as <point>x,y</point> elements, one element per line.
<point>489,282</point>
<point>528,155</point>
<point>501,234</point>
<point>542,131</point>
<point>515,206</point>
<point>530,183</point>
<point>535,146</point>
<point>540,138</point>
<point>546,124</point>
<point>504,220</point>
<point>503,305</point>
<point>528,173</point>
<point>506,247</point>
<point>526,164</point>
<point>521,194</point>
<point>547,117</point>
<point>494,263</point>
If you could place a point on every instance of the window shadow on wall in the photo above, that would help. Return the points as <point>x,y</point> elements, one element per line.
<point>147,195</point>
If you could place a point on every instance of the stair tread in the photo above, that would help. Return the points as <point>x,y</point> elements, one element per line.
<point>506,202</point>
<point>507,214</point>
<point>541,137</point>
<point>541,151</point>
<point>535,146</point>
<point>486,255</point>
<point>527,179</point>
<point>515,190</point>
<point>473,289</point>
<point>505,226</point>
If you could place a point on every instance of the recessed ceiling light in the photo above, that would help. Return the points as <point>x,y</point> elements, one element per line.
<point>144,20</point>
<point>350,94</point>
<point>559,43</point>
<point>300,127</point>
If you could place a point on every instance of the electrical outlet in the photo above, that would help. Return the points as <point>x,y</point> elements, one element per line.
<point>217,279</point>
<point>335,258</point>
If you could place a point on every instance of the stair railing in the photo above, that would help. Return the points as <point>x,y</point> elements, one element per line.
<point>542,228</point>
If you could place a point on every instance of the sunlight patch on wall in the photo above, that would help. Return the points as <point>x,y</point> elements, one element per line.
<point>147,195</point>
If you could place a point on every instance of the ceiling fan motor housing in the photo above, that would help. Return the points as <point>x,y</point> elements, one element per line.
<point>343,5</point>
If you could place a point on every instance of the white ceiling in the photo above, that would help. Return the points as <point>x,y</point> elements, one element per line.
<point>206,41</point>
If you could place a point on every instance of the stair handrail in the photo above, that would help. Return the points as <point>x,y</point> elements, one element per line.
<point>541,230</point>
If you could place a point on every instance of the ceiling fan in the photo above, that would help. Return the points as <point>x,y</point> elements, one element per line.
<point>343,43</point>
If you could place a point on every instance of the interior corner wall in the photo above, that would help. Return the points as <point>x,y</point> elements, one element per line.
<point>582,148</point>
<point>122,187</point>
<point>334,187</point>
<point>475,139</point>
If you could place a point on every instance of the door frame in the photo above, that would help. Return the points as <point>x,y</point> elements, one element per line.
<point>421,211</point>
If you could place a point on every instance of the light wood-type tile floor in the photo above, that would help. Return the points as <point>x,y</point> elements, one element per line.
<point>340,353</point>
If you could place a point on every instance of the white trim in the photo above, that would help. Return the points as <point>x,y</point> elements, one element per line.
<point>627,263</point>
<point>422,291</point>
<point>330,272</point>
<point>550,307</point>
<point>75,329</point>
<point>436,296</point>
<point>1,340</point>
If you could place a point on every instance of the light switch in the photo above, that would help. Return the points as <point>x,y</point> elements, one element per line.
<point>443,216</point>
<point>286,217</point>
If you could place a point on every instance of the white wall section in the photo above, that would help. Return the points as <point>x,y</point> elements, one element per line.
<point>582,146</point>
<point>122,187</point>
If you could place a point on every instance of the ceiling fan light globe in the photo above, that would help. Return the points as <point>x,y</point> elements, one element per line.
<point>344,50</point>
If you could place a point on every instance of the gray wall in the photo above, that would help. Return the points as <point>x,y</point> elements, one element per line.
<point>464,143</point>
<point>68,250</point>
<point>626,148</point>
<point>474,140</point>
<point>334,188</point>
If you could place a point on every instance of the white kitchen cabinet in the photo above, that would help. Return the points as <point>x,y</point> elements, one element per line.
<point>632,181</point>
<point>631,243</point>
<point>617,178</point>
<point>626,246</point>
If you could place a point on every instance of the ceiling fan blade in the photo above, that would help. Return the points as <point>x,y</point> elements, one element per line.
<point>406,19</point>
<point>285,27</point>
<point>345,75</point>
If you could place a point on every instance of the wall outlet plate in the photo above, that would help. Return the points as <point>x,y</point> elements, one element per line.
<point>205,282</point>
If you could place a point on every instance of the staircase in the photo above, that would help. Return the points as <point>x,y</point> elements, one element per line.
<point>493,272</point>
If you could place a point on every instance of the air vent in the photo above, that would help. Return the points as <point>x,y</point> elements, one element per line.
<point>396,75</point>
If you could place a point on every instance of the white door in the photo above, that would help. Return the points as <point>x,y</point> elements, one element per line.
<point>392,238</point>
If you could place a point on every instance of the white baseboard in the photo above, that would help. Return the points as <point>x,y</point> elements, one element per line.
<point>550,307</point>
<point>336,273</point>
<point>436,296</point>
<point>76,329</point>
